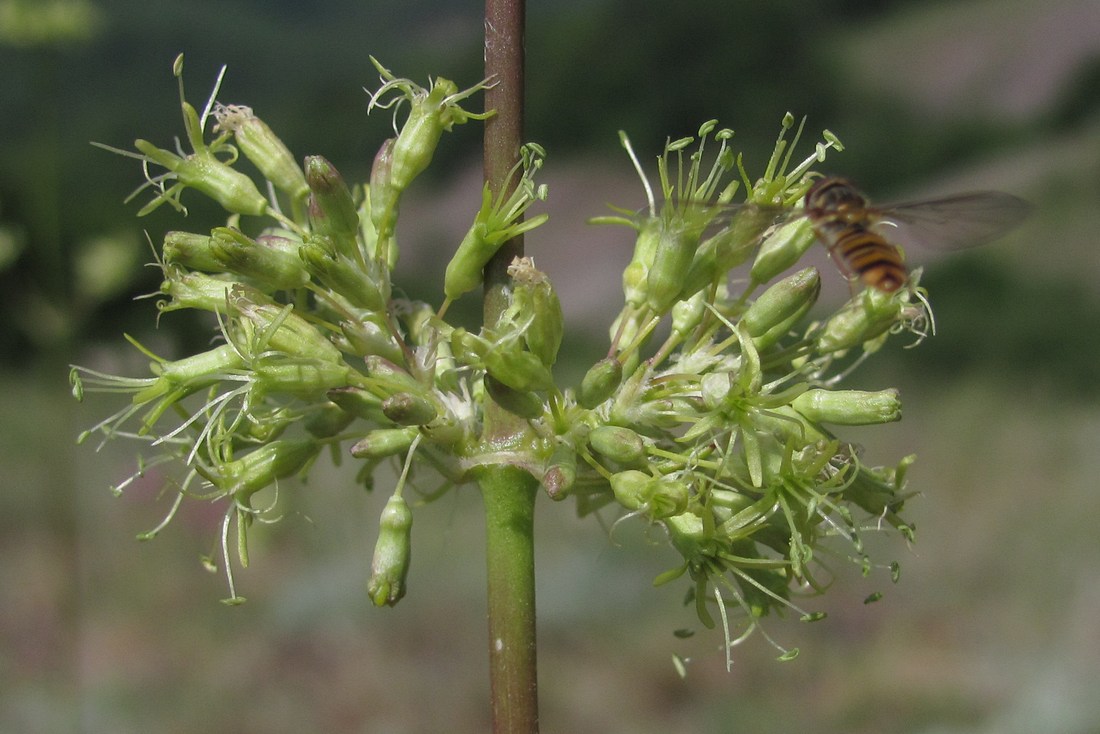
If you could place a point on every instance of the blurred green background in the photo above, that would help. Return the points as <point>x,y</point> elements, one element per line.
<point>993,627</point>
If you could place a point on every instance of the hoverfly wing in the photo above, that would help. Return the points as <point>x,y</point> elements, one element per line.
<point>953,222</point>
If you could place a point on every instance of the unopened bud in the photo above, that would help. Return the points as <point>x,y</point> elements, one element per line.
<point>260,468</point>
<point>864,318</point>
<point>384,442</point>
<point>191,251</point>
<point>203,172</point>
<point>619,444</point>
<point>240,254</point>
<point>409,409</point>
<point>392,553</point>
<point>525,404</point>
<point>601,380</point>
<point>263,147</point>
<point>332,209</point>
<point>849,407</point>
<point>357,402</point>
<point>341,275</point>
<point>675,250</point>
<point>519,370</point>
<point>782,249</point>
<point>778,308</point>
<point>561,472</point>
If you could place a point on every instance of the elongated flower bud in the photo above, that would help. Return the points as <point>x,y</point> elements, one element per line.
<point>536,303</point>
<point>617,443</point>
<point>518,369</point>
<point>357,402</point>
<point>675,250</point>
<point>331,207</point>
<point>409,409</point>
<point>195,290</point>
<point>782,249</point>
<point>561,472</point>
<point>849,407</point>
<point>384,442</point>
<point>240,254</point>
<point>600,382</point>
<point>370,336</point>
<point>262,467</point>
<point>392,553</point>
<point>780,307</point>
<point>524,404</point>
<point>191,251</point>
<point>263,147</point>
<point>203,172</point>
<point>340,274</point>
<point>282,329</point>
<point>861,320</point>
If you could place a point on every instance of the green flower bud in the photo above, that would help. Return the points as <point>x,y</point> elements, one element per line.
<point>537,303</point>
<point>370,336</point>
<point>496,222</point>
<point>195,290</point>
<point>688,313</point>
<point>788,299</point>
<point>517,369</point>
<point>281,328</point>
<point>635,276</point>
<point>204,172</point>
<point>467,348</point>
<point>390,566</point>
<point>328,420</point>
<point>261,468</point>
<point>600,382</point>
<point>727,249</point>
<point>241,254</point>
<point>382,443</point>
<point>657,497</point>
<point>191,251</point>
<point>357,402</point>
<point>261,146</point>
<point>395,378</point>
<point>561,472</point>
<point>619,444</point>
<point>188,375</point>
<point>675,250</point>
<point>849,407</point>
<point>464,271</point>
<point>331,207</point>
<point>408,409</point>
<point>340,274</point>
<point>524,404</point>
<point>301,377</point>
<point>380,250</point>
<point>861,320</point>
<point>384,196</point>
<point>782,249</point>
<point>637,272</point>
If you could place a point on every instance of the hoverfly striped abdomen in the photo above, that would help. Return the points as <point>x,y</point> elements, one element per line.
<point>841,219</point>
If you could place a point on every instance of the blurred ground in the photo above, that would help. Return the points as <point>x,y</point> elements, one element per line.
<point>992,626</point>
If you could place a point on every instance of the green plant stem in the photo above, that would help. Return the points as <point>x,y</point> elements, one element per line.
<point>509,496</point>
<point>507,491</point>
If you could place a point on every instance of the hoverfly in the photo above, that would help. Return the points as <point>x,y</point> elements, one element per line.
<point>864,241</point>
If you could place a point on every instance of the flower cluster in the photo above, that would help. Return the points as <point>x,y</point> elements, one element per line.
<point>316,351</point>
<point>721,434</point>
